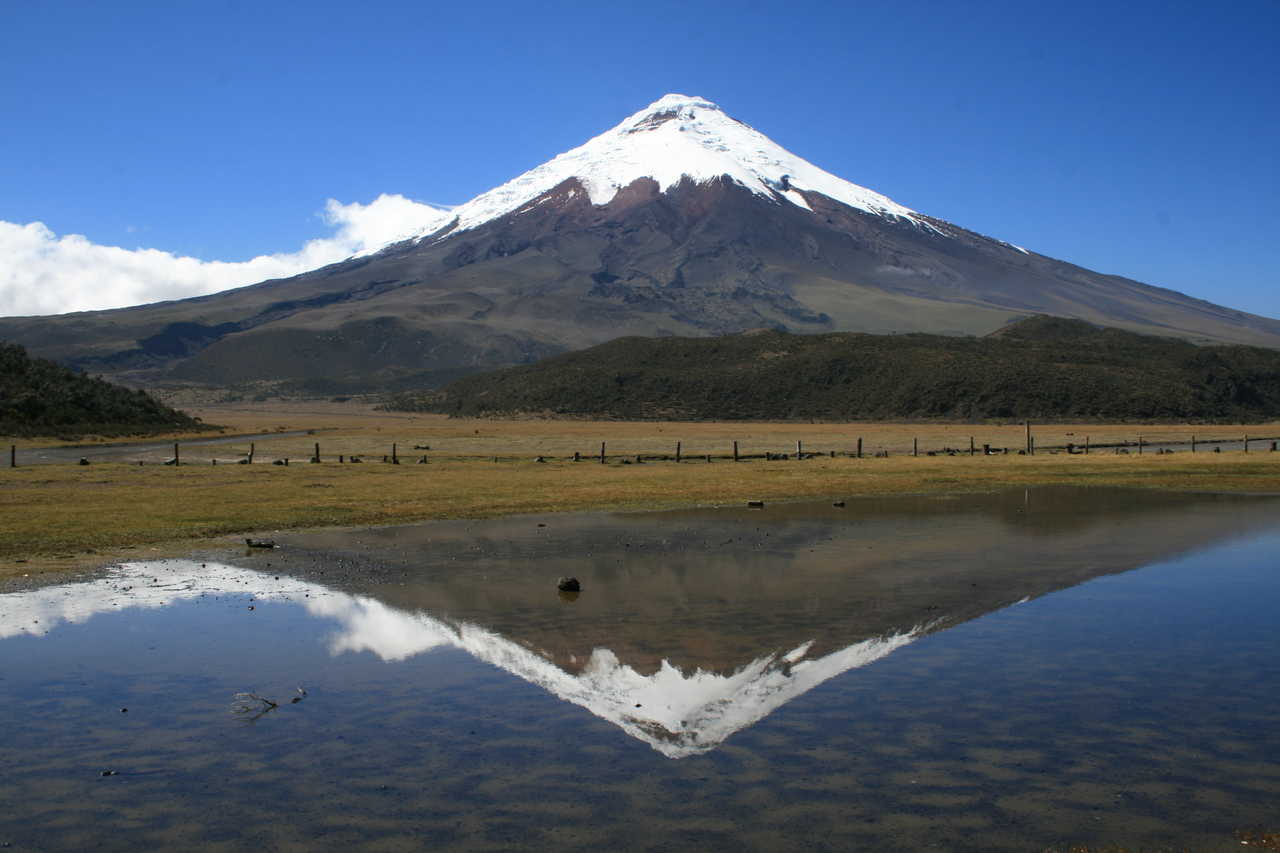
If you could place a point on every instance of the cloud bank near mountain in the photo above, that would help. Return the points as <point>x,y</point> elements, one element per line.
<point>44,273</point>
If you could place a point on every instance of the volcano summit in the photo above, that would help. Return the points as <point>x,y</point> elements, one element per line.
<point>678,221</point>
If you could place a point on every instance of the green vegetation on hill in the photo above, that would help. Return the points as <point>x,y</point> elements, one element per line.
<point>1041,368</point>
<point>39,397</point>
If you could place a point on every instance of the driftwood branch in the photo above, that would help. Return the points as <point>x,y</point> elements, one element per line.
<point>250,707</point>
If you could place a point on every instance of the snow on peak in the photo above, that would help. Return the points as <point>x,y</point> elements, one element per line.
<point>665,109</point>
<point>674,100</point>
<point>675,137</point>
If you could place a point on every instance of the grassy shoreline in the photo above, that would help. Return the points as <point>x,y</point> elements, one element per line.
<point>66,516</point>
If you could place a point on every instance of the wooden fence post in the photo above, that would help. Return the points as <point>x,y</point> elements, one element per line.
<point>317,451</point>
<point>175,454</point>
<point>1029,448</point>
<point>971,447</point>
<point>799,449</point>
<point>1086,445</point>
<point>735,451</point>
<point>13,456</point>
<point>1139,445</point>
<point>1246,442</point>
<point>602,453</point>
<point>1193,444</point>
<point>395,460</point>
<point>915,447</point>
<point>251,449</point>
<point>859,447</point>
<point>677,451</point>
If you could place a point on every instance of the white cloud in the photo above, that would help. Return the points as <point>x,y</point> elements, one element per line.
<point>42,273</point>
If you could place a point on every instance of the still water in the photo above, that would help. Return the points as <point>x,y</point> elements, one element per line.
<point>1020,671</point>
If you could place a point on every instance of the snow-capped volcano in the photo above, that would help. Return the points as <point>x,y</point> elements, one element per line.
<point>677,137</point>
<point>680,221</point>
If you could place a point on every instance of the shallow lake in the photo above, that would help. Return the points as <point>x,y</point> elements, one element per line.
<point>1021,671</point>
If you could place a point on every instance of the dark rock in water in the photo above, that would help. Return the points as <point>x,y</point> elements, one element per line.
<point>260,543</point>
<point>84,461</point>
<point>837,503</point>
<point>568,585</point>
<point>755,504</point>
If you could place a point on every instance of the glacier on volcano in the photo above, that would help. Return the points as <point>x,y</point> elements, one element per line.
<point>675,137</point>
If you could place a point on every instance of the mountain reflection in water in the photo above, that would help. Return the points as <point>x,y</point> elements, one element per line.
<point>676,712</point>
<point>692,625</point>
<point>714,589</point>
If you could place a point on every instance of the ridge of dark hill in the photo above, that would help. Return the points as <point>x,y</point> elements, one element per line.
<point>39,397</point>
<point>1041,368</point>
<point>560,274</point>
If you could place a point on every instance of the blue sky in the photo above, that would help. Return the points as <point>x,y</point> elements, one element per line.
<point>1137,139</point>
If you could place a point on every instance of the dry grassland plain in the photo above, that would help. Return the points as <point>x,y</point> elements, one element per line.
<point>63,515</point>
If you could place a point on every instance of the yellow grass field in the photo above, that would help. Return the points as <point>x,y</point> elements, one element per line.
<point>59,515</point>
<point>346,428</point>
